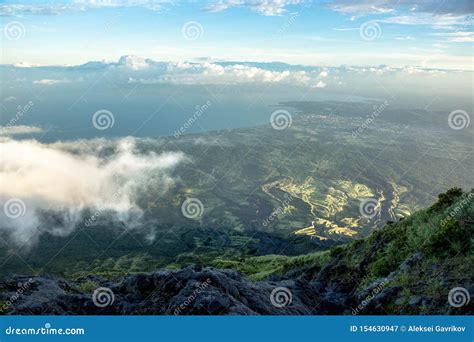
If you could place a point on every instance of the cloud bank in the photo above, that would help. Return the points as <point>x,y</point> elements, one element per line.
<point>265,7</point>
<point>135,71</point>
<point>211,73</point>
<point>46,188</point>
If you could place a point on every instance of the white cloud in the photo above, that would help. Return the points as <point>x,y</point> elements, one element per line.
<point>343,29</point>
<point>435,20</point>
<point>9,99</point>
<point>264,7</point>
<point>320,84</point>
<point>457,37</point>
<point>131,69</point>
<point>52,180</point>
<point>24,65</point>
<point>49,82</point>
<point>438,45</point>
<point>428,12</point>
<point>454,34</point>
<point>461,40</point>
<point>52,8</point>
<point>405,38</point>
<point>362,8</point>
<point>366,7</point>
<point>209,73</point>
<point>20,129</point>
<point>133,62</point>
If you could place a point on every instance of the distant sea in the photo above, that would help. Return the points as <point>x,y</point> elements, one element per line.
<point>66,113</point>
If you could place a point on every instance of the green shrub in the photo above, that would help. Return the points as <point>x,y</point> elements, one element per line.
<point>88,286</point>
<point>450,239</point>
<point>446,199</point>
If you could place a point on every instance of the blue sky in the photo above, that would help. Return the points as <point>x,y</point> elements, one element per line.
<point>432,34</point>
<point>159,62</point>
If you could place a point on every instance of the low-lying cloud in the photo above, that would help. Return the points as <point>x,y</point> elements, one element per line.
<point>134,69</point>
<point>19,129</point>
<point>50,81</point>
<point>47,187</point>
<point>210,73</point>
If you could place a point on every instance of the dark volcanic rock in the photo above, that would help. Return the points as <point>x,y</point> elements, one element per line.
<point>330,290</point>
<point>189,291</point>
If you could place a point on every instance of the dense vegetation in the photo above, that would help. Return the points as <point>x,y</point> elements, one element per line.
<point>443,233</point>
<point>414,263</point>
<point>314,171</point>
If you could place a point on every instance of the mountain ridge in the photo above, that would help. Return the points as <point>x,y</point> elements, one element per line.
<point>407,267</point>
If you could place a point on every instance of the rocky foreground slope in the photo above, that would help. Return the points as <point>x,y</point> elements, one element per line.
<point>421,265</point>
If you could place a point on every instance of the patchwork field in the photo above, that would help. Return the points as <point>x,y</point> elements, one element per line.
<point>263,191</point>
